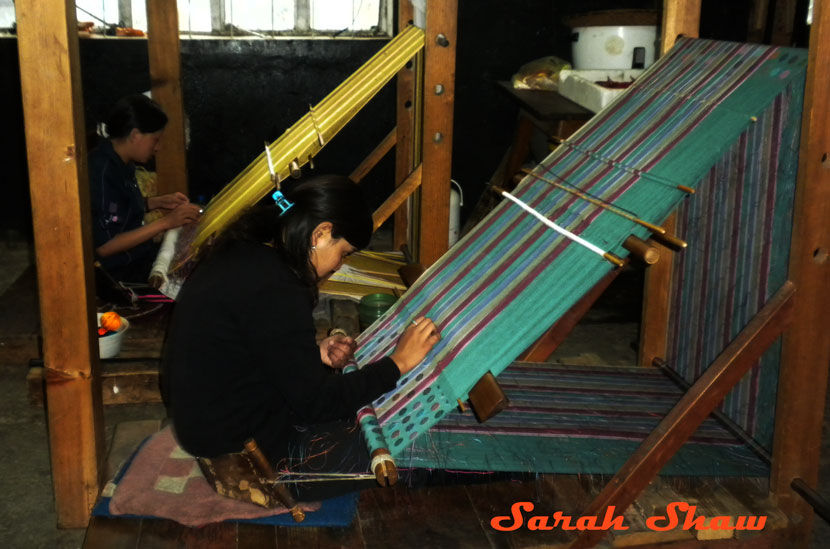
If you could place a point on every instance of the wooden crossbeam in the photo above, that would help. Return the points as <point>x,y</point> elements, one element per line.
<point>543,347</point>
<point>375,156</point>
<point>691,410</point>
<point>398,197</point>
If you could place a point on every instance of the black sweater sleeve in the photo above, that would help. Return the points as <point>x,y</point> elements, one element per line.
<point>281,327</point>
<point>242,359</point>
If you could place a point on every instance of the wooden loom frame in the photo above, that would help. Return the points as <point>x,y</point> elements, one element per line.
<point>795,312</point>
<point>60,209</point>
<point>49,67</point>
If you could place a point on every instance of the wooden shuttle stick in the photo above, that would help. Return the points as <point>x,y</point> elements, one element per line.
<point>564,232</point>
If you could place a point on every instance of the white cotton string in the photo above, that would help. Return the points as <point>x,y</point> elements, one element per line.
<point>552,225</point>
<point>161,265</point>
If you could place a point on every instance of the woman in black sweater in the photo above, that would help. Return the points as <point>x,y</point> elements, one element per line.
<point>242,359</point>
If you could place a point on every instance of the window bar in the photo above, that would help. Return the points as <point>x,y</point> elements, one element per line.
<point>125,13</point>
<point>189,21</point>
<point>217,16</point>
<point>302,16</point>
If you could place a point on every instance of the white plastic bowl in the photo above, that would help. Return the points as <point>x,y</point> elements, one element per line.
<point>110,345</point>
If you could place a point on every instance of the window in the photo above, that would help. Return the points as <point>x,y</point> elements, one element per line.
<point>6,14</point>
<point>237,18</point>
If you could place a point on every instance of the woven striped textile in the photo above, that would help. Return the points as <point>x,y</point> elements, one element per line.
<point>576,419</point>
<point>739,240</point>
<point>509,279</point>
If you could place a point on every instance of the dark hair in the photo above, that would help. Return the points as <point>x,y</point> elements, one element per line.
<point>134,111</point>
<point>333,198</point>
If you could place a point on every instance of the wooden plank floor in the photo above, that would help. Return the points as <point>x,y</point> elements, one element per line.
<point>449,516</point>
<point>458,515</point>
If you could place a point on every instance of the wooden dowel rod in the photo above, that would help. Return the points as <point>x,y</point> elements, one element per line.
<point>641,249</point>
<point>610,207</point>
<point>669,241</point>
<point>375,156</point>
<point>280,491</point>
<point>397,198</point>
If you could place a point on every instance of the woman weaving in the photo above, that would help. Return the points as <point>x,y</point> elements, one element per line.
<point>123,243</point>
<point>241,359</point>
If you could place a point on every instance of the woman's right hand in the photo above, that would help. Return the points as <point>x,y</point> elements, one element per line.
<point>417,340</point>
<point>182,215</point>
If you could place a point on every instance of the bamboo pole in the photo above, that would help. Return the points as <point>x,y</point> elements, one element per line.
<point>309,134</point>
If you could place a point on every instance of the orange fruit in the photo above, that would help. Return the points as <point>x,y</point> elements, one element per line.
<point>111,321</point>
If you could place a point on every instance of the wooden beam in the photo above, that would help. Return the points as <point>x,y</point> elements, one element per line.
<point>393,203</point>
<point>805,354</point>
<point>654,324</point>
<point>519,150</point>
<point>783,23</point>
<point>59,185</point>
<point>543,347</point>
<point>407,135</point>
<point>439,94</point>
<point>166,84</point>
<point>374,157</point>
<point>680,17</point>
<point>692,409</point>
<point>758,14</point>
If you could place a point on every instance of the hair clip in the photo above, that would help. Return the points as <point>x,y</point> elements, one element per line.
<point>282,203</point>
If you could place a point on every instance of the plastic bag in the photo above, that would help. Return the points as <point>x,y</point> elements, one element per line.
<point>540,74</point>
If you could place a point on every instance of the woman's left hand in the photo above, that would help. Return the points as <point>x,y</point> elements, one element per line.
<point>336,351</point>
<point>166,201</point>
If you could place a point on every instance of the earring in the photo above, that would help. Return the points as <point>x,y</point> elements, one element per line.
<point>314,248</point>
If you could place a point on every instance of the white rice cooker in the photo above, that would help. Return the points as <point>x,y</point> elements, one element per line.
<point>614,39</point>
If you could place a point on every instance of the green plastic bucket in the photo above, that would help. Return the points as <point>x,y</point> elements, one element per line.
<point>372,307</point>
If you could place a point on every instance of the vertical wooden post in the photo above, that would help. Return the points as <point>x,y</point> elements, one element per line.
<point>165,80</point>
<point>405,146</point>
<point>439,94</point>
<point>679,17</point>
<point>806,350</point>
<point>59,185</point>
<point>654,322</point>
